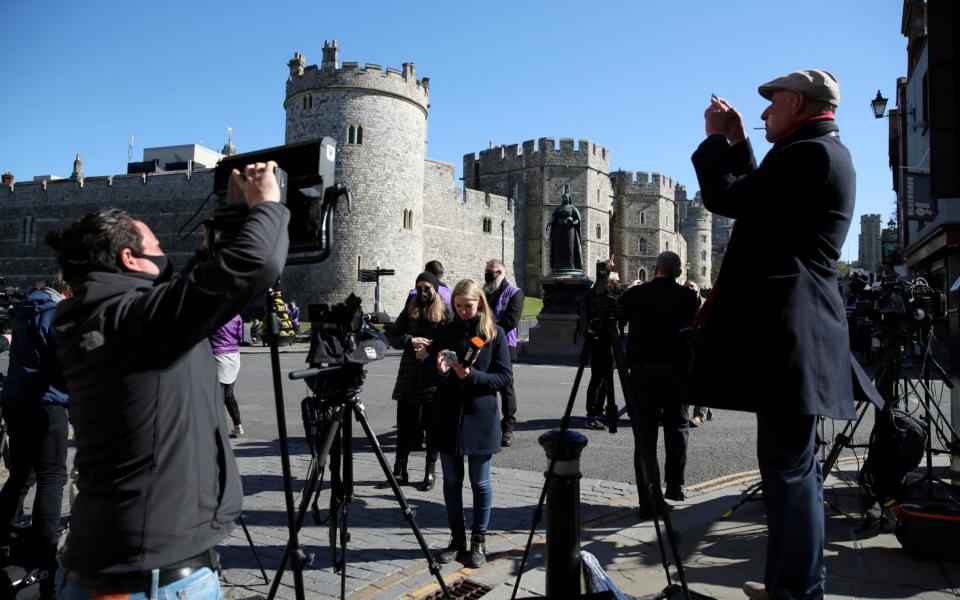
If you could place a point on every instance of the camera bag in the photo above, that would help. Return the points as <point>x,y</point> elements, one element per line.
<point>928,528</point>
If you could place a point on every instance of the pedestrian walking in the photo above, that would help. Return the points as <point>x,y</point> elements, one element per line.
<point>225,344</point>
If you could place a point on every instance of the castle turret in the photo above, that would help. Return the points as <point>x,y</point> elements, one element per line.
<point>697,229</point>
<point>77,174</point>
<point>331,56</point>
<point>379,119</point>
<point>7,180</point>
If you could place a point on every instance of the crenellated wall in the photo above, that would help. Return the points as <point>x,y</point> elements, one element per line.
<point>164,201</point>
<point>454,226</point>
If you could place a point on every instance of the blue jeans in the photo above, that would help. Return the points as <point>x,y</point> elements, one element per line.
<point>479,466</point>
<point>202,585</point>
<point>793,496</point>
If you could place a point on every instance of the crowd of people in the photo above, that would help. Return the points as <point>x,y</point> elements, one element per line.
<point>143,361</point>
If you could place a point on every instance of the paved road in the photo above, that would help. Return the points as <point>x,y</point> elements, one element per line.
<point>723,446</point>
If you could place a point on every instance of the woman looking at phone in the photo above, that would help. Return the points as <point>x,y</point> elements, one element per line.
<point>466,421</point>
<point>417,377</point>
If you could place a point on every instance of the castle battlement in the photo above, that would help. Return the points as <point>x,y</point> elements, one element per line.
<point>535,153</point>
<point>403,82</point>
<point>647,184</point>
<point>495,203</point>
<point>99,183</point>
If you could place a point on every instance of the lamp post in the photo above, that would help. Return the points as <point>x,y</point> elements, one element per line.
<point>879,105</point>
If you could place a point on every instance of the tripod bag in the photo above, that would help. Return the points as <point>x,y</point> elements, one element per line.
<point>897,443</point>
<point>928,528</point>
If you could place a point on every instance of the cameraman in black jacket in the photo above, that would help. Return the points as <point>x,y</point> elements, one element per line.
<point>158,483</point>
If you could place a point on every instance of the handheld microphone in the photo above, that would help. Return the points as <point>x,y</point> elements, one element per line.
<point>473,350</point>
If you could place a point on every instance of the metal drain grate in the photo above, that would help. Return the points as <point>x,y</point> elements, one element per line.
<point>461,589</point>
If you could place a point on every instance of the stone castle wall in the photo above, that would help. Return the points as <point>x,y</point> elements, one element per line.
<point>453,227</point>
<point>164,201</point>
<point>383,169</point>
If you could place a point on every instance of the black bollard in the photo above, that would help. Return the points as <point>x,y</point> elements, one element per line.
<point>563,512</point>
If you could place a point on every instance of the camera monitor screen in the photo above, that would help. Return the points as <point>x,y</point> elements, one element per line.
<point>309,174</point>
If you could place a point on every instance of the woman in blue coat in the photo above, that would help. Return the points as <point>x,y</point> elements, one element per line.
<point>466,421</point>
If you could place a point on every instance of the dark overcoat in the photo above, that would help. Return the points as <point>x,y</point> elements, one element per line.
<point>416,380</point>
<point>466,411</point>
<point>775,337</point>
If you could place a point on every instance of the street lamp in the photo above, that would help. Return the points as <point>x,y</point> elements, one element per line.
<point>879,105</point>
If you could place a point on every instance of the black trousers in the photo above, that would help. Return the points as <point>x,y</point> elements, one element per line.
<point>793,497</point>
<point>601,367</point>
<point>38,444</point>
<point>233,409</point>
<point>508,408</point>
<point>660,395</point>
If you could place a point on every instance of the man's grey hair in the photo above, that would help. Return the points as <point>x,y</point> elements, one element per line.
<point>668,264</point>
<point>498,264</point>
<point>815,107</point>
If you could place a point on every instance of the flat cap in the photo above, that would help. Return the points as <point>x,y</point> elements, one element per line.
<point>812,83</point>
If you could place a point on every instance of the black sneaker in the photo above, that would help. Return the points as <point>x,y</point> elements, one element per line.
<point>507,439</point>
<point>595,423</point>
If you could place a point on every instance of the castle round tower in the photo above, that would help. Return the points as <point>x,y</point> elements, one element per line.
<point>697,229</point>
<point>379,120</point>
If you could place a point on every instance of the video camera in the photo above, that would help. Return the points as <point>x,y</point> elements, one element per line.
<point>307,187</point>
<point>342,335</point>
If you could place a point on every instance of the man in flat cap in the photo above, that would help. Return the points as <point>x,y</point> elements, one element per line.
<point>774,336</point>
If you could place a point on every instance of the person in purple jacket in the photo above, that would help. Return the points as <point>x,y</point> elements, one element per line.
<point>225,344</point>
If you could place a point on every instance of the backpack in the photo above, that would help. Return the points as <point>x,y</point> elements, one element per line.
<point>897,443</point>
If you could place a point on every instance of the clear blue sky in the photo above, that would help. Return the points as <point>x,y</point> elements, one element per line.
<point>632,76</point>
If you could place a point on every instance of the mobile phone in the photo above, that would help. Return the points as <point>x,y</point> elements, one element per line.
<point>450,357</point>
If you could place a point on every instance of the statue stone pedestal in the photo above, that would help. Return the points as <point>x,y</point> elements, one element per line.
<point>557,331</point>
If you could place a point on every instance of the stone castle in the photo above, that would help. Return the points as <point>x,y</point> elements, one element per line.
<point>406,209</point>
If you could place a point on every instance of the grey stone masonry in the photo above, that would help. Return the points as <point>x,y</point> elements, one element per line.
<point>164,201</point>
<point>464,229</point>
<point>379,120</point>
<point>646,222</point>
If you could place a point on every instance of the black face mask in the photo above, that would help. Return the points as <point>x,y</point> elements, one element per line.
<point>489,277</point>
<point>164,264</point>
<point>425,297</point>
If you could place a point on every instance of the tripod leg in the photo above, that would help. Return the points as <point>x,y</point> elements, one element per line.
<point>844,438</point>
<point>253,549</point>
<point>408,513</point>
<point>310,488</point>
<point>621,364</point>
<point>564,425</point>
<point>749,493</point>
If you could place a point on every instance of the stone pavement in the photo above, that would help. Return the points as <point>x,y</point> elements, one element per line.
<point>385,561</point>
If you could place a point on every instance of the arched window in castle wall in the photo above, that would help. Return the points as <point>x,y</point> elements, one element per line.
<point>703,255</point>
<point>642,274</point>
<point>359,134</point>
<point>599,232</point>
<point>666,245</point>
<point>643,217</point>
<point>703,271</point>
<point>351,134</point>
<point>642,246</point>
<point>703,238</point>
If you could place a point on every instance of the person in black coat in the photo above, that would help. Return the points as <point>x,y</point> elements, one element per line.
<point>465,414</point>
<point>417,377</point>
<point>658,355</point>
<point>158,482</point>
<point>773,335</point>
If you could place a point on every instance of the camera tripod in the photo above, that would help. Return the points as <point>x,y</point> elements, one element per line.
<point>602,337</point>
<point>330,426</point>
